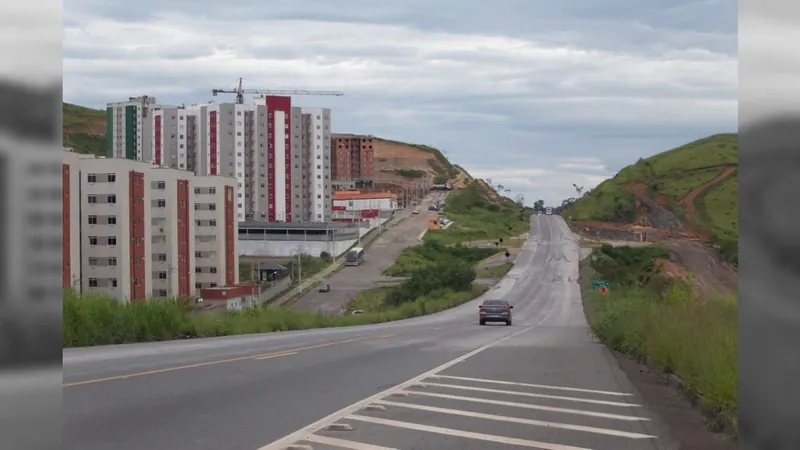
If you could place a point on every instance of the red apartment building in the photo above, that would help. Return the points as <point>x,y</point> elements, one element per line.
<point>352,157</point>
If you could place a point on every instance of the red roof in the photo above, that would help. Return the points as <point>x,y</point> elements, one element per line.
<point>225,292</point>
<point>358,195</point>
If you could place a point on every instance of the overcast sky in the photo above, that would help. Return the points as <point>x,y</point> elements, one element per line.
<point>534,94</point>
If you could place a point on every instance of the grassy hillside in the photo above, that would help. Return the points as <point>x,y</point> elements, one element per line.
<point>84,129</point>
<point>698,182</point>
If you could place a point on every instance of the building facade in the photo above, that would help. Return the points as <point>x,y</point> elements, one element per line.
<point>280,156</point>
<point>129,128</point>
<point>353,157</point>
<point>137,230</point>
<point>364,205</point>
<point>311,164</point>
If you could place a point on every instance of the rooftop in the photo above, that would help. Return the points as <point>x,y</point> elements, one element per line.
<point>358,195</point>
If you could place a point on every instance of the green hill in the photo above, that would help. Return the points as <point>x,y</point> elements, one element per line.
<point>84,129</point>
<point>697,182</point>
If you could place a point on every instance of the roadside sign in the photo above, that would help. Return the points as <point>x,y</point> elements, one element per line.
<point>598,283</point>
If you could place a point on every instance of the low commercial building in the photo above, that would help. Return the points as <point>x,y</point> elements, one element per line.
<point>351,205</point>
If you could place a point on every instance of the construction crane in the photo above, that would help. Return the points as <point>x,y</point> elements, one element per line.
<point>240,91</point>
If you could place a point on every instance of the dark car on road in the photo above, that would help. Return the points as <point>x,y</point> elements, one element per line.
<point>325,288</point>
<point>495,311</point>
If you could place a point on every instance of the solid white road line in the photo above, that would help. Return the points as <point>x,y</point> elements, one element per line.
<point>520,420</point>
<point>464,434</point>
<point>529,394</point>
<point>308,430</point>
<point>537,386</point>
<point>487,401</point>
<point>343,443</point>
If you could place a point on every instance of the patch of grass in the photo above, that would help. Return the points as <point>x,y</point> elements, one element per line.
<point>673,174</point>
<point>410,173</point>
<point>76,114</point>
<point>718,210</point>
<point>86,143</point>
<point>494,271</point>
<point>477,217</point>
<point>375,300</point>
<point>425,256</point>
<point>98,320</point>
<point>82,130</point>
<point>648,316</point>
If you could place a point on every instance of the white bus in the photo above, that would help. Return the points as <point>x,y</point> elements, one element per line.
<point>354,256</point>
<point>548,210</point>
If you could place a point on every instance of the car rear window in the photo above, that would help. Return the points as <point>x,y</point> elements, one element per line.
<point>495,302</point>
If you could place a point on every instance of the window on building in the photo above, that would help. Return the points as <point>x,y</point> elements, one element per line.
<point>91,178</point>
<point>161,203</point>
<point>92,220</point>
<point>111,220</point>
<point>112,262</point>
<point>112,240</point>
<point>93,261</point>
<point>92,199</point>
<point>161,257</point>
<point>112,178</point>
<point>162,275</point>
<point>112,199</point>
<point>93,282</point>
<point>112,282</point>
<point>92,240</point>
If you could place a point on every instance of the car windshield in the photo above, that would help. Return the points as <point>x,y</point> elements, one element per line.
<point>495,303</point>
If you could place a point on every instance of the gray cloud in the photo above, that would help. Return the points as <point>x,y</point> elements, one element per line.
<point>540,93</point>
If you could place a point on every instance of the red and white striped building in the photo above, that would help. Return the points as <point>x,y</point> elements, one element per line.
<point>278,154</point>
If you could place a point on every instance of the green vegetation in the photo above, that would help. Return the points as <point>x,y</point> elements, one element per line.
<point>410,173</point>
<point>718,211</point>
<point>84,129</point>
<point>478,217</point>
<point>375,301</point>
<point>431,253</point>
<point>668,178</point>
<point>497,271</point>
<point>98,320</point>
<point>649,316</point>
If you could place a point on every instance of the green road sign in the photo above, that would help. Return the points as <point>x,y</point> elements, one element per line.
<point>598,283</point>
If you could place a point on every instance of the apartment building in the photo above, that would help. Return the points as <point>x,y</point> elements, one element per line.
<point>279,159</point>
<point>129,128</point>
<point>215,233</point>
<point>311,164</point>
<point>136,230</point>
<point>353,157</point>
<point>268,147</point>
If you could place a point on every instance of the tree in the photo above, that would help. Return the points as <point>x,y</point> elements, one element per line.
<point>578,189</point>
<point>538,205</point>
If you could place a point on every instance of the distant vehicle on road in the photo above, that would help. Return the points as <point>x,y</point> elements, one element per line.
<point>416,211</point>
<point>494,311</point>
<point>548,211</point>
<point>354,257</point>
<point>325,288</point>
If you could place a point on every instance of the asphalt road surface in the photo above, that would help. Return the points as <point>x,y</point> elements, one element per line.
<point>435,382</point>
<point>379,256</point>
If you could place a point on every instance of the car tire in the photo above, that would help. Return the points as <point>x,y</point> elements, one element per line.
<point>508,323</point>
<point>482,322</point>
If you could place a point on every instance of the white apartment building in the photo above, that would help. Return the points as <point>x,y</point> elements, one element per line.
<point>280,156</point>
<point>136,231</point>
<point>129,128</point>
<point>311,171</point>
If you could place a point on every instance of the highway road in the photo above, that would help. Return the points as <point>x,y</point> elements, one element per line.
<point>435,382</point>
<point>379,256</point>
